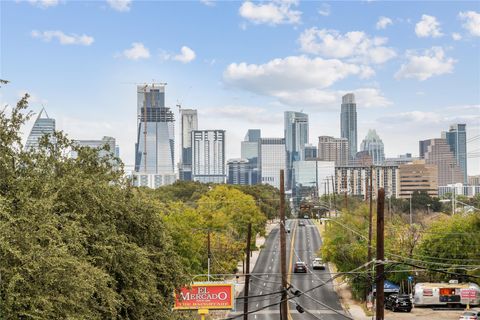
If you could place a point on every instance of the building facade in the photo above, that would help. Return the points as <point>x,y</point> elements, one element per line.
<point>238,172</point>
<point>249,151</point>
<point>437,152</point>
<point>348,123</point>
<point>333,149</point>
<point>98,144</point>
<point>374,146</point>
<point>354,180</point>
<point>189,122</point>
<point>44,125</point>
<point>418,176</point>
<point>312,179</point>
<point>310,151</point>
<point>271,159</point>
<point>457,140</point>
<point>155,147</point>
<point>208,156</point>
<point>296,137</point>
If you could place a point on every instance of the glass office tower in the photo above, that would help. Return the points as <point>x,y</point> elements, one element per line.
<point>348,123</point>
<point>296,137</point>
<point>154,150</point>
<point>43,125</point>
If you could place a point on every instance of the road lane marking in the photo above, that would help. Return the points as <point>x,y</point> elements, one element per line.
<point>289,276</point>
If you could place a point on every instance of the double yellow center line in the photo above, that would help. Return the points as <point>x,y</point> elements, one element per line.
<point>289,271</point>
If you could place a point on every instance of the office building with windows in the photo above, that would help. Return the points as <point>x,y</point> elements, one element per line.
<point>457,140</point>
<point>437,152</point>
<point>238,172</point>
<point>208,156</point>
<point>296,137</point>
<point>348,123</point>
<point>312,179</point>
<point>417,176</point>
<point>44,125</point>
<point>155,146</point>
<point>188,123</point>
<point>271,159</point>
<point>333,149</point>
<point>249,151</point>
<point>373,145</point>
<point>310,152</point>
<point>354,180</point>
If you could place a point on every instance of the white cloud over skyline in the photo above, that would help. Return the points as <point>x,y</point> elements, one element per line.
<point>428,26</point>
<point>186,55</point>
<point>383,23</point>
<point>44,3</point>
<point>136,52</point>
<point>354,45</point>
<point>272,12</point>
<point>432,62</point>
<point>63,38</point>
<point>120,5</point>
<point>471,21</point>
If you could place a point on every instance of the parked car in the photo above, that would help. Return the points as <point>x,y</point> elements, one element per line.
<point>470,315</point>
<point>398,302</point>
<point>300,267</point>
<point>318,264</point>
<point>301,223</point>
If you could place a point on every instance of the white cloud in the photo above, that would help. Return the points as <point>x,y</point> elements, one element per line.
<point>120,5</point>
<point>472,22</point>
<point>186,55</point>
<point>136,52</point>
<point>209,3</point>
<point>63,38</point>
<point>294,72</point>
<point>44,3</point>
<point>272,13</point>
<point>302,81</point>
<point>428,26</point>
<point>432,62</point>
<point>383,22</point>
<point>324,10</point>
<point>356,45</point>
<point>456,36</point>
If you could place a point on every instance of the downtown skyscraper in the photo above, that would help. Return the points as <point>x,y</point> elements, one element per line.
<point>348,123</point>
<point>44,125</point>
<point>155,146</point>
<point>296,137</point>
<point>189,122</point>
<point>457,140</point>
<point>208,156</point>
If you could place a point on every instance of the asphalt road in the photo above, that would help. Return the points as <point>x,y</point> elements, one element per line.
<point>266,278</point>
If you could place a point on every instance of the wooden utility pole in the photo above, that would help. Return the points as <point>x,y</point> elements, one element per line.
<point>334,190</point>
<point>209,254</point>
<point>379,266</point>
<point>346,201</point>
<point>370,218</point>
<point>247,273</point>
<point>283,250</point>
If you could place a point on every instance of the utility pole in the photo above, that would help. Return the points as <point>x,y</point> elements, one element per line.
<point>370,232</point>
<point>379,266</point>
<point>283,250</point>
<point>346,201</point>
<point>333,192</point>
<point>247,273</point>
<point>329,202</point>
<point>209,254</point>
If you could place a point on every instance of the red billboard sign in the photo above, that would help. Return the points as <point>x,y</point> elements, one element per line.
<point>468,294</point>
<point>205,296</point>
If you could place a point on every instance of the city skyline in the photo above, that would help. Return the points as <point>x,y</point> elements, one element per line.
<point>393,96</point>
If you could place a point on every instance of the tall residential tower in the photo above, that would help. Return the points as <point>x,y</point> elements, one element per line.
<point>296,137</point>
<point>348,123</point>
<point>457,139</point>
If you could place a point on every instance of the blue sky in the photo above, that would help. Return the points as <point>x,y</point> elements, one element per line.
<point>414,66</point>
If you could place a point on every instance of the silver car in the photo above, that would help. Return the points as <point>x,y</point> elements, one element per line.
<point>318,264</point>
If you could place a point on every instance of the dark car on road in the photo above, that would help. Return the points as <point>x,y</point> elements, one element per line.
<point>398,302</point>
<point>300,267</point>
<point>301,223</point>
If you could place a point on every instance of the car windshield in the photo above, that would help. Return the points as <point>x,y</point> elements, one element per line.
<point>300,264</point>
<point>403,298</point>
